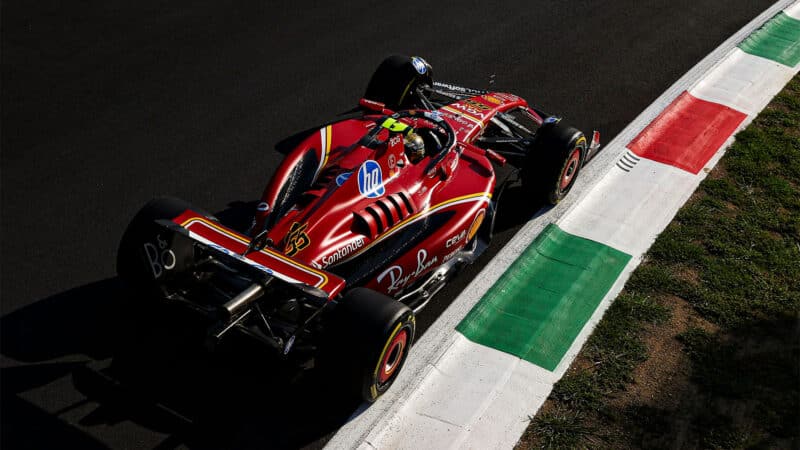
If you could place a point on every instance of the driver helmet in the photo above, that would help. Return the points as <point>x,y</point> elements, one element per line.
<point>415,147</point>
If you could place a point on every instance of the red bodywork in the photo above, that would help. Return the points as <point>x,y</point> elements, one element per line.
<point>348,205</point>
<point>335,222</point>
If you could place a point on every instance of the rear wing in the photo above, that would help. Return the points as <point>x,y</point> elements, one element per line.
<point>229,246</point>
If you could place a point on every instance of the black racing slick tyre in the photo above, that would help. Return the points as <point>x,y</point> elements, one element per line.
<point>373,333</point>
<point>149,254</point>
<point>396,79</point>
<point>553,162</point>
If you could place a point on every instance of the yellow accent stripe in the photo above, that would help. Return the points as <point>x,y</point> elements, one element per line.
<point>405,91</point>
<point>265,251</point>
<point>383,352</point>
<point>327,150</point>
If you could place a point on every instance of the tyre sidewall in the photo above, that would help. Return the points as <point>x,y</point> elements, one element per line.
<point>374,386</point>
<point>549,157</point>
<point>394,81</point>
<point>149,254</point>
<point>360,334</point>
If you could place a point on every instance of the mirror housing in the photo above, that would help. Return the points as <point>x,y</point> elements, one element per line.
<point>372,105</point>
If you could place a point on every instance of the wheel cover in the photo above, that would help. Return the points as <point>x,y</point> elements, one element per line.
<point>393,356</point>
<point>570,169</point>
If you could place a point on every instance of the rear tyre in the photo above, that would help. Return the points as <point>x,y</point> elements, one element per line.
<point>395,80</point>
<point>553,162</point>
<point>371,338</point>
<point>149,254</point>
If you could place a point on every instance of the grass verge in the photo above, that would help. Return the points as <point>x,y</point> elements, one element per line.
<point>702,348</point>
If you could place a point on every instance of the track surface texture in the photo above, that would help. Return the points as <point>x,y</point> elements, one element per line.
<point>106,104</point>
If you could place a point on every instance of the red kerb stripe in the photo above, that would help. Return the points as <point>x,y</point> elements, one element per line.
<point>687,133</point>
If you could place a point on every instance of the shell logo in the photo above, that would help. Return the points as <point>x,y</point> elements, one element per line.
<point>492,99</point>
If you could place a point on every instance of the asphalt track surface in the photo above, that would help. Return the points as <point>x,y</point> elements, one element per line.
<point>106,104</point>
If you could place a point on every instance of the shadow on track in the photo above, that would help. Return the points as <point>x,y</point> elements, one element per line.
<point>148,365</point>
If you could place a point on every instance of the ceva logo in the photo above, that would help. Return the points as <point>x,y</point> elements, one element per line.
<point>370,179</point>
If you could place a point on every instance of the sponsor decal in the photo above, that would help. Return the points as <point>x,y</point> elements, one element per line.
<point>455,239</point>
<point>419,64</point>
<point>392,160</point>
<point>492,99</point>
<point>450,255</point>
<point>459,119</point>
<point>472,107</point>
<point>342,178</point>
<point>395,273</point>
<point>396,278</point>
<point>452,87</point>
<point>370,180</point>
<point>394,140</point>
<point>159,256</point>
<point>340,254</point>
<point>552,119</point>
<point>422,264</point>
<point>506,97</point>
<point>235,255</point>
<point>297,239</point>
<point>477,105</point>
<point>436,116</point>
<point>476,224</point>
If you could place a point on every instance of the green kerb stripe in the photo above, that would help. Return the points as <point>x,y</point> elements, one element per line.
<point>537,308</point>
<point>778,40</point>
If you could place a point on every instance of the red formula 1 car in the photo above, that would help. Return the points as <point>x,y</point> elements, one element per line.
<point>364,221</point>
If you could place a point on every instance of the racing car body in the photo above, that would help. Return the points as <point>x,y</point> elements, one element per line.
<point>352,236</point>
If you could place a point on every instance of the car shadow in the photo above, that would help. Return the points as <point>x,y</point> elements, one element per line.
<point>26,425</point>
<point>149,366</point>
<point>515,207</point>
<point>238,215</point>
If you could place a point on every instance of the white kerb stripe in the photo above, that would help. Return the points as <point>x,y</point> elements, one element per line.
<point>793,11</point>
<point>627,209</point>
<point>471,388</point>
<point>744,82</point>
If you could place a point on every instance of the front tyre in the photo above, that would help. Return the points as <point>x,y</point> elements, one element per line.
<point>554,161</point>
<point>396,79</point>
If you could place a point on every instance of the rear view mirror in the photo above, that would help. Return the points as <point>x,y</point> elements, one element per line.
<point>375,106</point>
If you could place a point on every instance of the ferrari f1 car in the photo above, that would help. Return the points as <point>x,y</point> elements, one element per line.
<point>361,225</point>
